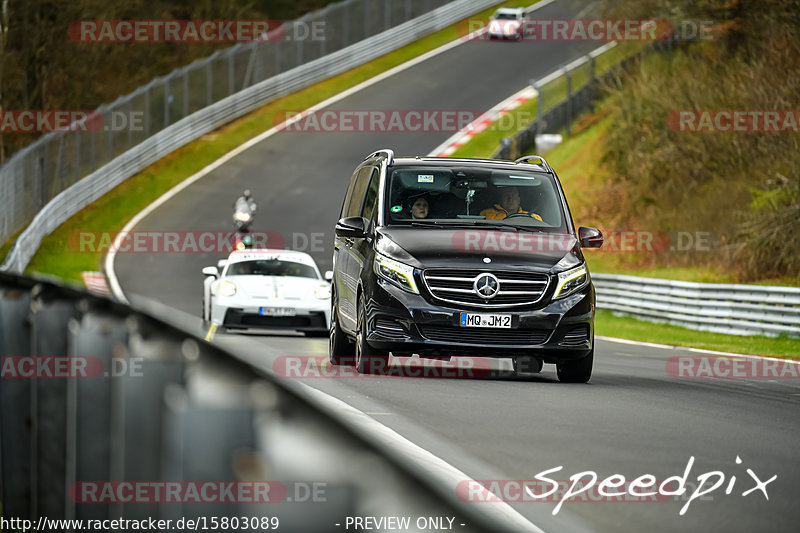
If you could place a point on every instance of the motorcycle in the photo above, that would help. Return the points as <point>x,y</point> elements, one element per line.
<point>244,210</point>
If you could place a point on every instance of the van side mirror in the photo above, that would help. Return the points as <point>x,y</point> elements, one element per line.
<point>590,237</point>
<point>351,227</point>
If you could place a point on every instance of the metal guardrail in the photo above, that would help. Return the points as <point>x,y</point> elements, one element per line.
<point>157,404</point>
<point>721,308</point>
<point>576,100</point>
<point>52,179</point>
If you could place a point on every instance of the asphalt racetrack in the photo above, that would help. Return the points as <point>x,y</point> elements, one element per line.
<point>633,418</point>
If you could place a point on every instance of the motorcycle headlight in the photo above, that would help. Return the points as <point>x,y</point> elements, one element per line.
<point>227,288</point>
<point>396,273</point>
<point>323,292</point>
<point>242,216</point>
<point>570,281</point>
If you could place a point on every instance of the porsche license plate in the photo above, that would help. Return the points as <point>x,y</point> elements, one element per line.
<point>276,311</point>
<point>482,320</point>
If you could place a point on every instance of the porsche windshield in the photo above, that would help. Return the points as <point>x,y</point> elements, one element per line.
<point>476,196</point>
<point>271,267</point>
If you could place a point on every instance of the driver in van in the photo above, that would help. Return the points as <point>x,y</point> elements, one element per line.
<point>509,205</point>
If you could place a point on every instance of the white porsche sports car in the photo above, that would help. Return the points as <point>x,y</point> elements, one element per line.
<point>507,23</point>
<point>268,289</point>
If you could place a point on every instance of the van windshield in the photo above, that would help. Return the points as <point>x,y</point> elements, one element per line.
<point>475,196</point>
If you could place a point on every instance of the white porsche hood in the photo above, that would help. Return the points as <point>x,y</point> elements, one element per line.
<point>275,288</point>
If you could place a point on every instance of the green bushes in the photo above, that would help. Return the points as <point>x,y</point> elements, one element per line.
<point>744,187</point>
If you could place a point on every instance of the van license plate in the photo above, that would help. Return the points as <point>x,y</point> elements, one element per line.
<point>480,320</point>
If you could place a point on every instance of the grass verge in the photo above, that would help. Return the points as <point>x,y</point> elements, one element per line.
<point>113,210</point>
<point>579,163</point>
<point>610,325</point>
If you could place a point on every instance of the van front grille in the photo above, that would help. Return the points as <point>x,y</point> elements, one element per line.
<point>458,286</point>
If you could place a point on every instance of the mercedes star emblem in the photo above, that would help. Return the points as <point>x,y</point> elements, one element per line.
<point>486,286</point>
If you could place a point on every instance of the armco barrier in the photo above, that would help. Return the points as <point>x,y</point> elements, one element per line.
<point>159,405</point>
<point>41,185</point>
<point>578,98</point>
<point>721,308</point>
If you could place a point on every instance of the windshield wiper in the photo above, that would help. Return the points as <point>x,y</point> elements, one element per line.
<point>475,224</point>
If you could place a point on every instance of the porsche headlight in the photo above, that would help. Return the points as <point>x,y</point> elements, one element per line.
<point>323,292</point>
<point>494,27</point>
<point>227,288</point>
<point>570,281</point>
<point>396,273</point>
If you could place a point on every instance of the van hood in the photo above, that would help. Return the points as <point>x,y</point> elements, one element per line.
<point>442,247</point>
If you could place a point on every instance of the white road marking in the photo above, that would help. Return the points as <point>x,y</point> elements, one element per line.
<point>696,350</point>
<point>444,472</point>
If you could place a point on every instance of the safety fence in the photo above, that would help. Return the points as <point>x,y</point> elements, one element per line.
<point>721,308</point>
<point>717,307</point>
<point>50,180</point>
<point>570,91</point>
<point>109,412</point>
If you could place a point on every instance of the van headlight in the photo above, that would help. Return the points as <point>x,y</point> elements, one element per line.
<point>570,281</point>
<point>227,288</point>
<point>396,273</point>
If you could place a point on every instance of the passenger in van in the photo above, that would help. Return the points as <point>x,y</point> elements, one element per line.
<point>420,208</point>
<point>509,205</point>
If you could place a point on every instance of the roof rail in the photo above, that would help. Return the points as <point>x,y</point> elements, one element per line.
<point>526,158</point>
<point>387,152</point>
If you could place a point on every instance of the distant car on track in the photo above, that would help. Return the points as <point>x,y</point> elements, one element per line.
<point>507,23</point>
<point>268,289</point>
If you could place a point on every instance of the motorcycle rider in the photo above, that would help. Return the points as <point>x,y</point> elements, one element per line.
<point>244,210</point>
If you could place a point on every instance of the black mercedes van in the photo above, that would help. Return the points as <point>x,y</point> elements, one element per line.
<point>444,257</point>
